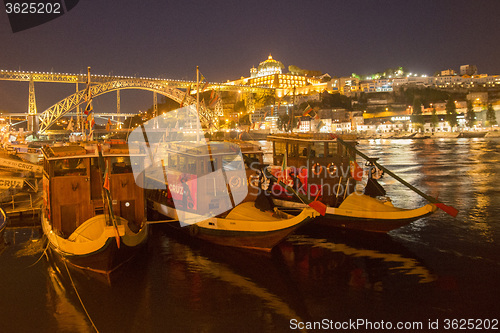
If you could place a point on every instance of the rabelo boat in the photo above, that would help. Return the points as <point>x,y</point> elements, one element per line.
<point>323,167</point>
<point>205,189</point>
<point>93,211</point>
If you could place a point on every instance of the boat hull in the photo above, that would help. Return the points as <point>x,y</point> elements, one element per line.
<point>100,257</point>
<point>102,265</point>
<point>380,225</point>
<point>378,218</point>
<point>249,228</point>
<point>472,134</point>
<point>262,241</point>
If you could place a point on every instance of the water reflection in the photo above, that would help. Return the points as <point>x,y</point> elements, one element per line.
<point>484,161</point>
<point>297,278</point>
<point>235,271</point>
<point>336,257</point>
<point>358,259</point>
<point>67,317</point>
<point>461,172</point>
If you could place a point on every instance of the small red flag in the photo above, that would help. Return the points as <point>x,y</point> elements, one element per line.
<point>106,179</point>
<point>356,170</point>
<point>307,110</point>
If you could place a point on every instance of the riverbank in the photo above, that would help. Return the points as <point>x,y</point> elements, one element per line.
<point>252,135</point>
<point>437,135</point>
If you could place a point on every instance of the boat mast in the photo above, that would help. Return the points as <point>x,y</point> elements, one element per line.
<point>88,98</point>
<point>78,114</point>
<point>198,103</point>
<point>293,107</point>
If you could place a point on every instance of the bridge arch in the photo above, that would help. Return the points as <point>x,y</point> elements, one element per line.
<point>50,116</point>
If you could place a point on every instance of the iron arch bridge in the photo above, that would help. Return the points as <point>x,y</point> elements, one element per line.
<point>50,116</point>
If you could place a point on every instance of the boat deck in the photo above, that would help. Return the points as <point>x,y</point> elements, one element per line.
<point>247,211</point>
<point>24,213</point>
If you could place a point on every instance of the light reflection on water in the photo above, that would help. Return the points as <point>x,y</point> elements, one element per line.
<point>436,267</point>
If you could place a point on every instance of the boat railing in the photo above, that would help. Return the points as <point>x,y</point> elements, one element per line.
<point>306,161</point>
<point>21,200</point>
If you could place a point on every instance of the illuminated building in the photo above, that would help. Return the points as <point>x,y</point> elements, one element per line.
<point>269,73</point>
<point>267,67</point>
<point>468,70</point>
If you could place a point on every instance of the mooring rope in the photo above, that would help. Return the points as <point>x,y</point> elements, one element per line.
<point>79,298</point>
<point>76,291</point>
<point>43,253</point>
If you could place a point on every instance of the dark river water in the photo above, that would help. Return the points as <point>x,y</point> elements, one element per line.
<point>438,274</point>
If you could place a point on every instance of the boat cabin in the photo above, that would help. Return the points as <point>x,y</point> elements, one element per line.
<point>73,185</point>
<point>315,163</point>
<point>202,178</point>
<point>252,153</point>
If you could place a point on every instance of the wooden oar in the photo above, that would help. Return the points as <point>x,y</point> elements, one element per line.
<point>314,204</point>
<point>338,190</point>
<point>448,209</point>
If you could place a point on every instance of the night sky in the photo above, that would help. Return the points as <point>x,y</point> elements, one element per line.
<point>168,39</point>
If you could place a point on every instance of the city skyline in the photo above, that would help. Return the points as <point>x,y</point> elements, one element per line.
<point>168,40</point>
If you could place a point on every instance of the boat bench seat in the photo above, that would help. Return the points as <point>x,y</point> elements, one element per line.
<point>90,230</point>
<point>363,202</point>
<point>247,211</point>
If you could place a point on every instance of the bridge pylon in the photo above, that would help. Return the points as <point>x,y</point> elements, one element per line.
<point>250,102</point>
<point>32,113</point>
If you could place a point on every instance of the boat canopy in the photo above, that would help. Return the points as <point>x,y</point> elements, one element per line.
<point>321,148</point>
<point>89,150</point>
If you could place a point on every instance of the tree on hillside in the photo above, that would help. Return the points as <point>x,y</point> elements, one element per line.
<point>491,117</point>
<point>333,101</point>
<point>284,123</point>
<point>240,107</point>
<point>428,95</point>
<point>451,113</point>
<point>434,119</point>
<point>417,117</point>
<point>132,122</point>
<point>244,119</point>
<point>166,105</point>
<point>300,71</point>
<point>471,115</point>
<point>264,99</point>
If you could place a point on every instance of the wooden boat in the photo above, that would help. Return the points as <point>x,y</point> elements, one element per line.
<point>481,134</point>
<point>313,165</point>
<point>94,220</point>
<point>20,185</point>
<point>329,175</point>
<point>215,204</point>
<point>248,227</point>
<point>362,212</point>
<point>197,180</point>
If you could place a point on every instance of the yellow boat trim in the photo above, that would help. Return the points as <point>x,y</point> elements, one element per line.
<point>92,235</point>
<point>246,218</point>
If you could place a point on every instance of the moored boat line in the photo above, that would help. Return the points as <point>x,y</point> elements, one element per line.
<point>94,202</point>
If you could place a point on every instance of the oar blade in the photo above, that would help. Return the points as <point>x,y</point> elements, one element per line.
<point>447,209</point>
<point>318,206</point>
